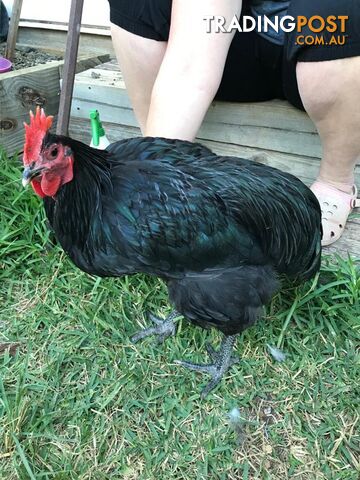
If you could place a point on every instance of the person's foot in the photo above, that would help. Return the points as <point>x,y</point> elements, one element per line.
<point>336,206</point>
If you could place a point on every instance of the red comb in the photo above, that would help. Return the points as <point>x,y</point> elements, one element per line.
<point>34,134</point>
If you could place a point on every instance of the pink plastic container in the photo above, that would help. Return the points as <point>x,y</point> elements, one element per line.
<point>5,65</point>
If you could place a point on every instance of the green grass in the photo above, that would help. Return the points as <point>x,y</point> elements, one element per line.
<point>79,401</point>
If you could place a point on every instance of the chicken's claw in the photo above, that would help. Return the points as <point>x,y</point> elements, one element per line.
<point>221,362</point>
<point>163,329</point>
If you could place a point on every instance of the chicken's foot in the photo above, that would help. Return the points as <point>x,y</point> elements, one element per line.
<point>162,329</point>
<point>221,362</point>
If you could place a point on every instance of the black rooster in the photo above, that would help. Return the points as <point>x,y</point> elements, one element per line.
<point>220,231</point>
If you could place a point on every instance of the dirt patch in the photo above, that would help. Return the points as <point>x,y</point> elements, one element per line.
<point>29,57</point>
<point>10,347</point>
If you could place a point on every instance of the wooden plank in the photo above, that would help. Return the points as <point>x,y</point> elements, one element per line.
<point>22,90</point>
<point>80,129</point>
<point>276,114</point>
<point>349,243</point>
<point>111,65</point>
<point>304,168</point>
<point>68,74</point>
<point>89,44</point>
<point>80,109</point>
<point>13,29</point>
<point>64,27</point>
<point>99,76</point>
<point>267,138</point>
<point>86,62</point>
<point>113,103</point>
<point>271,125</point>
<point>274,127</point>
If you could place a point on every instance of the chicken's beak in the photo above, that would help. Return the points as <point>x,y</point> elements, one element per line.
<point>29,173</point>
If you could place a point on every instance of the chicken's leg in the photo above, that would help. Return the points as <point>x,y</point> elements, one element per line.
<point>221,362</point>
<point>163,328</point>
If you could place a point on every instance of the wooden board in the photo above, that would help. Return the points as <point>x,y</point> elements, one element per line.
<point>22,90</point>
<point>305,168</point>
<point>89,44</point>
<point>69,70</point>
<point>13,29</point>
<point>271,125</point>
<point>274,127</point>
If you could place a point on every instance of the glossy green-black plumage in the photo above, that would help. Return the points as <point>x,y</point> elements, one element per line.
<point>219,230</point>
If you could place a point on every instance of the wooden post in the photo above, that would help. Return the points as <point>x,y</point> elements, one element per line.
<point>72,45</point>
<point>13,29</point>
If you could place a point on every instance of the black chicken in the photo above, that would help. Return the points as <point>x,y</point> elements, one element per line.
<point>220,231</point>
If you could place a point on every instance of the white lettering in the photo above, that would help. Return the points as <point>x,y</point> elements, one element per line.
<point>208,19</point>
<point>268,22</point>
<point>291,25</point>
<point>247,23</point>
<point>246,27</point>
<point>234,24</point>
<point>220,24</point>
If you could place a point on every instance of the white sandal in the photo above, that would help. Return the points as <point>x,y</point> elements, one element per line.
<point>335,206</point>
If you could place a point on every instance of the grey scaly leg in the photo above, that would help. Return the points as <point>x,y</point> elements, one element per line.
<point>221,362</point>
<point>163,328</point>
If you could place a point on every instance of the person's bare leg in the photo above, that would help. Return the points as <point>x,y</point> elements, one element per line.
<point>330,92</point>
<point>139,59</point>
<point>192,68</point>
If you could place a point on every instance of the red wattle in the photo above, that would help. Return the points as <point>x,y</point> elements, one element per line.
<point>37,188</point>
<point>50,184</point>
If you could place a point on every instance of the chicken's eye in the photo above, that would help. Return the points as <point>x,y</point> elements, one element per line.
<point>53,152</point>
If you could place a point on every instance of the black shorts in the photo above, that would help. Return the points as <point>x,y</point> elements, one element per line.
<point>256,69</point>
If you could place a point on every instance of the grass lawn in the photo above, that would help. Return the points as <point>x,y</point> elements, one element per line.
<point>79,401</point>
